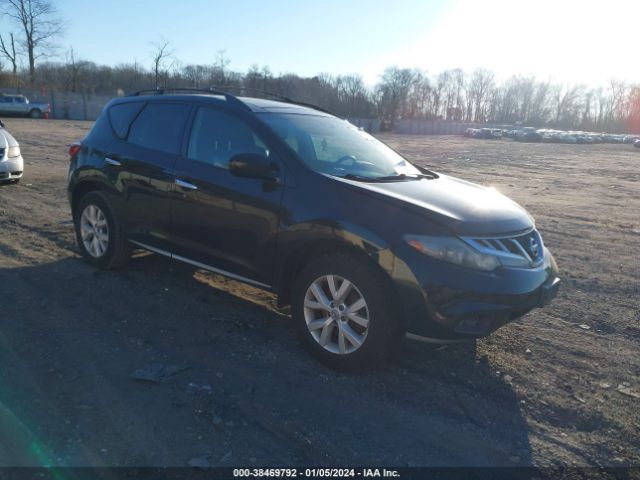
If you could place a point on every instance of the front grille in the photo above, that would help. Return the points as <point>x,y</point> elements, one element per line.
<point>527,246</point>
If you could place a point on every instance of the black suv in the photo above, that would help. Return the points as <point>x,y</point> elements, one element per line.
<point>364,245</point>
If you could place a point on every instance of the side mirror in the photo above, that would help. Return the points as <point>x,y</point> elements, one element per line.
<point>252,165</point>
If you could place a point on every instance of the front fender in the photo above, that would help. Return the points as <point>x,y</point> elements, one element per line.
<point>298,243</point>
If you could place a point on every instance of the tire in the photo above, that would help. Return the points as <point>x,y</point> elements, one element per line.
<point>35,113</point>
<point>104,245</point>
<point>375,326</point>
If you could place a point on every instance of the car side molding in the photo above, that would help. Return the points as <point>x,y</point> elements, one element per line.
<point>204,266</point>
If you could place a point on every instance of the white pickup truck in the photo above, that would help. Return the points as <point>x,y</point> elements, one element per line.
<point>20,105</point>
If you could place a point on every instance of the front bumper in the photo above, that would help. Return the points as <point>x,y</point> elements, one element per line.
<point>11,168</point>
<point>473,315</point>
<point>452,303</point>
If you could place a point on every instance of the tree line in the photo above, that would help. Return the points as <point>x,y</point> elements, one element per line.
<point>400,93</point>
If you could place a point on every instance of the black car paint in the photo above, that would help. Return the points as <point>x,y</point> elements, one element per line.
<point>261,230</point>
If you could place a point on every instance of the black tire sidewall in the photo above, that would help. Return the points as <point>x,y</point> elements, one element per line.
<point>97,199</point>
<point>380,302</point>
<point>35,113</point>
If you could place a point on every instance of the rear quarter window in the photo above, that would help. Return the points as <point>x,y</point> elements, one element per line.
<point>159,127</point>
<point>121,116</point>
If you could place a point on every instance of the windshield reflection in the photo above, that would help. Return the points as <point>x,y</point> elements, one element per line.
<point>336,147</point>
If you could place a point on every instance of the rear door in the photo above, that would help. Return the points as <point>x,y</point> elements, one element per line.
<point>218,219</point>
<point>143,156</point>
<point>20,105</point>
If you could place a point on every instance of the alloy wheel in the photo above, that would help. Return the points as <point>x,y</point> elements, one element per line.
<point>94,231</point>
<point>336,314</point>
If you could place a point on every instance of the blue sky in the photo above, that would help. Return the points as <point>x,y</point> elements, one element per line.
<point>572,41</point>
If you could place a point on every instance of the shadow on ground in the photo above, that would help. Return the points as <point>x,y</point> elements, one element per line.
<point>70,336</point>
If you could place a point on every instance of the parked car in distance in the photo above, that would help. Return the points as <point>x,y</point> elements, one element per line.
<point>528,135</point>
<point>364,245</point>
<point>11,162</point>
<point>19,105</point>
<point>637,143</point>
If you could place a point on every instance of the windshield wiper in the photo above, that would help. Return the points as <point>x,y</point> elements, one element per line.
<point>359,178</point>
<point>400,177</point>
<point>387,178</point>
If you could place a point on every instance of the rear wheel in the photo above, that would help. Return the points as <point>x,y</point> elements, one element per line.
<point>99,233</point>
<point>35,113</point>
<point>345,312</point>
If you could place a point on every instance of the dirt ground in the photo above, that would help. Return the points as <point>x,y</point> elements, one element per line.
<point>558,387</point>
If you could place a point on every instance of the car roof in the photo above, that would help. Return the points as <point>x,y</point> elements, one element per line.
<point>256,105</point>
<point>264,105</point>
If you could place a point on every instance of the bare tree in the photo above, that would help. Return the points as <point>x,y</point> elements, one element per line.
<point>458,81</point>
<point>40,25</point>
<point>540,109</point>
<point>618,90</point>
<point>218,74</point>
<point>633,121</point>
<point>162,60</point>
<point>9,52</point>
<point>437,92</point>
<point>420,98</point>
<point>587,116</point>
<point>526,90</point>
<point>392,92</point>
<point>74,71</point>
<point>401,93</point>
<point>482,81</point>
<point>353,94</point>
<point>566,100</point>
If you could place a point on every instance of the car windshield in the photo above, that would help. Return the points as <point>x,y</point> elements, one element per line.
<point>336,147</point>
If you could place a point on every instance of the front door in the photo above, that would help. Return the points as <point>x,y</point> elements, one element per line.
<point>218,219</point>
<point>9,105</point>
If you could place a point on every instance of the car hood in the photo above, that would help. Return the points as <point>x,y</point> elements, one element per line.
<point>463,207</point>
<point>6,139</point>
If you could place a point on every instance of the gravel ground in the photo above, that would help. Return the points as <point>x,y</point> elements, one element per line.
<point>559,387</point>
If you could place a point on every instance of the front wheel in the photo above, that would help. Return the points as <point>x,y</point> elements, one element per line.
<point>345,311</point>
<point>99,233</point>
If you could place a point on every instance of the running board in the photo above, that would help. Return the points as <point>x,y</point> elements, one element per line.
<point>204,266</point>
<point>435,341</point>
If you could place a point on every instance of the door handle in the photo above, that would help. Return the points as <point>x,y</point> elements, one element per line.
<point>187,185</point>
<point>111,161</point>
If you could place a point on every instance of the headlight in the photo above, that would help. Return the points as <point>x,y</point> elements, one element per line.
<point>452,250</point>
<point>13,152</point>
<point>549,261</point>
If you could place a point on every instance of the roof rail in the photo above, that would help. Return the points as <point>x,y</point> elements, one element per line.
<point>215,90</point>
<point>278,97</point>
<point>211,91</point>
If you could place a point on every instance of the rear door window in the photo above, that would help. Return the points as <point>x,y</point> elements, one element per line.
<point>159,127</point>
<point>122,115</point>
